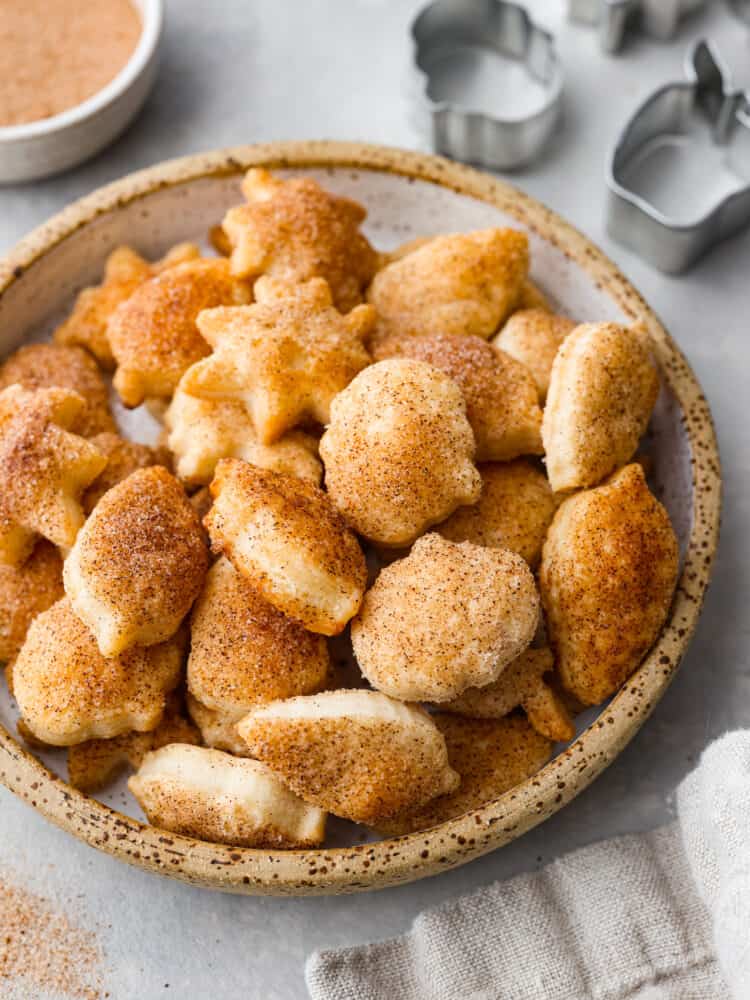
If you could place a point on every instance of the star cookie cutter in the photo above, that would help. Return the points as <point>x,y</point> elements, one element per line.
<point>657,18</point>
<point>449,37</point>
<point>670,244</point>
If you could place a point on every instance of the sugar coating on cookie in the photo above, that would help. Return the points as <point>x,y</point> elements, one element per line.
<point>514,510</point>
<point>602,390</point>
<point>447,617</point>
<point>124,271</point>
<point>42,366</point>
<point>286,537</point>
<point>533,337</point>
<point>202,431</point>
<point>295,230</point>
<point>138,563</point>
<point>284,358</point>
<point>44,469</point>
<point>491,756</point>
<point>123,457</point>
<point>457,283</point>
<point>500,395</point>
<point>204,793</point>
<point>153,335</point>
<point>94,764</point>
<point>243,652</point>
<point>531,297</point>
<point>26,591</point>
<point>608,572</point>
<point>523,683</point>
<point>398,451</point>
<point>357,754</point>
<point>218,729</point>
<point>67,692</point>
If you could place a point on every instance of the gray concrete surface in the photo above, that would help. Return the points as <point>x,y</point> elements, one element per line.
<point>237,72</point>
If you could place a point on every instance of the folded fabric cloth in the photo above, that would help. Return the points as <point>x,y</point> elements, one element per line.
<point>649,917</point>
<point>714,809</point>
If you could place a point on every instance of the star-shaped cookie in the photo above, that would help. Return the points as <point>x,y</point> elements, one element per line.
<point>43,467</point>
<point>284,358</point>
<point>202,431</point>
<point>40,366</point>
<point>153,335</point>
<point>294,230</point>
<point>124,271</point>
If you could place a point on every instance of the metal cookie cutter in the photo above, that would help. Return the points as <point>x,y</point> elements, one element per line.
<point>453,39</point>
<point>742,9</point>
<point>657,18</point>
<point>664,241</point>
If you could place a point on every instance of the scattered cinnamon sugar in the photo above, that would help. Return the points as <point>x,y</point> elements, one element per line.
<point>43,950</point>
<point>55,55</point>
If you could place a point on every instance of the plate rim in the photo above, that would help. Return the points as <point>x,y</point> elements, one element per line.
<point>403,859</point>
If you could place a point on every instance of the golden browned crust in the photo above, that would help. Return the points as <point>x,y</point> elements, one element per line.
<point>356,754</point>
<point>28,737</point>
<point>514,511</point>
<point>548,712</point>
<point>153,335</point>
<point>602,390</point>
<point>398,452</point>
<point>294,230</point>
<point>138,563</point>
<point>202,431</point>
<point>67,692</point>
<point>44,468</point>
<point>531,297</point>
<point>445,618</point>
<point>609,569</point>
<point>124,271</point>
<point>288,539</point>
<point>201,502</point>
<point>491,755</point>
<point>42,366</point>
<point>207,794</point>
<point>123,457</point>
<point>94,764</point>
<point>459,283</point>
<point>523,684</point>
<point>284,358</point>
<point>26,591</point>
<point>533,337</point>
<point>501,399</point>
<point>218,729</point>
<point>402,250</point>
<point>244,652</point>
<point>220,241</point>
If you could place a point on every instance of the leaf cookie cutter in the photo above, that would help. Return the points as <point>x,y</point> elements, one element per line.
<point>657,18</point>
<point>669,244</point>
<point>449,37</point>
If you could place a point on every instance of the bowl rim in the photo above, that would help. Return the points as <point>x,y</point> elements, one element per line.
<point>402,859</point>
<point>151,16</point>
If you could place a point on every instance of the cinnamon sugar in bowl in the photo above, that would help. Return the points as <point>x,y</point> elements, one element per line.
<point>75,83</point>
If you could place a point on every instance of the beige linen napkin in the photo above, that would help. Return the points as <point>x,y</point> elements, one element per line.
<point>629,919</point>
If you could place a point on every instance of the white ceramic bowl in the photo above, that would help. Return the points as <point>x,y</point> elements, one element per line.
<point>38,149</point>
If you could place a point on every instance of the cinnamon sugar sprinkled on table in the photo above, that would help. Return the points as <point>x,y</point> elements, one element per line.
<point>42,949</point>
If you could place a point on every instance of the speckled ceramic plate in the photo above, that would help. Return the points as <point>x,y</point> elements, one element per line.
<point>406,195</point>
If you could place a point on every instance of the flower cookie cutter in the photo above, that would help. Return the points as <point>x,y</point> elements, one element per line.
<point>657,18</point>
<point>668,243</point>
<point>450,38</point>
